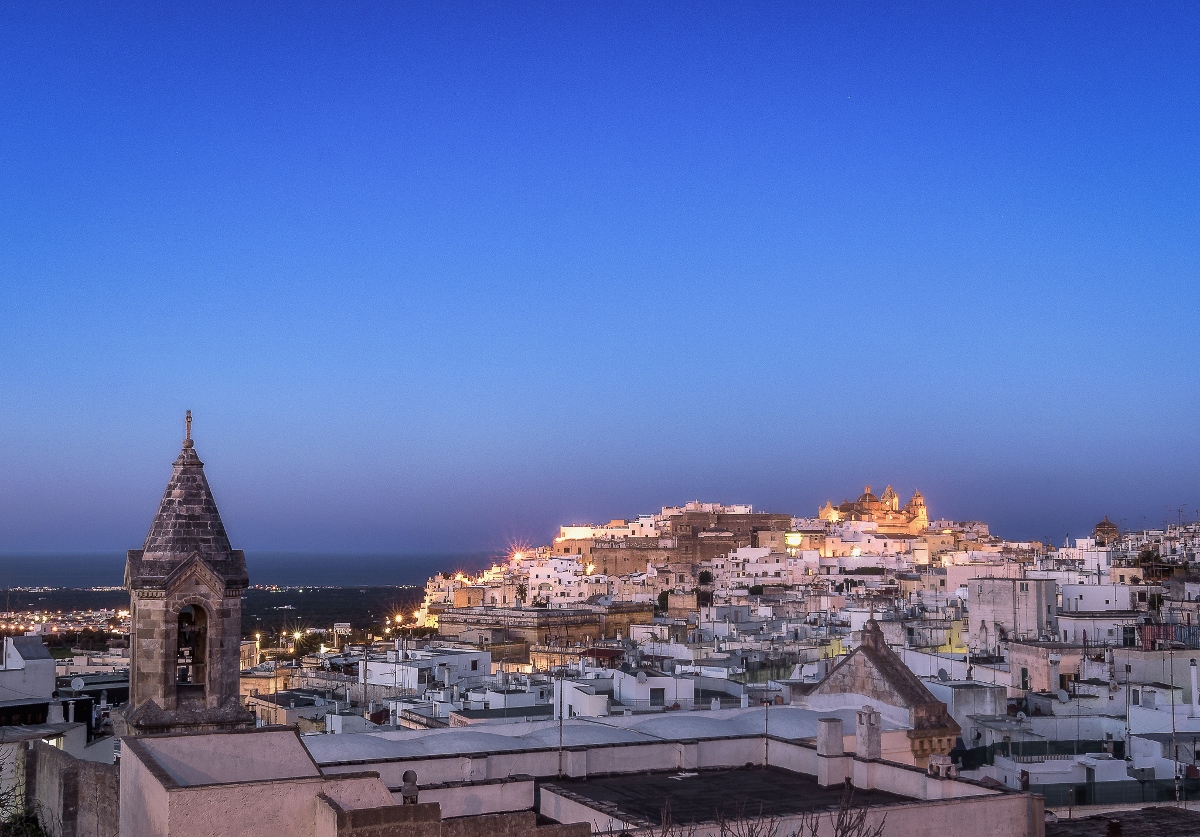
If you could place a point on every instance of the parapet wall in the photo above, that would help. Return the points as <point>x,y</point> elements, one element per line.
<point>605,759</point>
<point>72,797</point>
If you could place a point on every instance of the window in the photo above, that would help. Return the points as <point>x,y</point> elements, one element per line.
<point>1025,587</point>
<point>474,665</point>
<point>1024,678</point>
<point>1135,697</point>
<point>658,697</point>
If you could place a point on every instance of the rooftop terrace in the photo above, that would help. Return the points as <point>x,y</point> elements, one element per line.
<point>706,795</point>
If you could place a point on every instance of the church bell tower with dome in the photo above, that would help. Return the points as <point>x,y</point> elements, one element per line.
<point>185,595</point>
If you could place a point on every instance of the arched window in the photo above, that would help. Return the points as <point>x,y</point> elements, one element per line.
<point>191,653</point>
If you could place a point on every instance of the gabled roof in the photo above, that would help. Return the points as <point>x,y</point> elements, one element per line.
<point>875,671</point>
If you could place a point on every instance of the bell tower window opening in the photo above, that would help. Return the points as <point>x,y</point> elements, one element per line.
<point>191,652</point>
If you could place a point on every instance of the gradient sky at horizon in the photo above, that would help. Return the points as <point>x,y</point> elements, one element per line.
<point>442,276</point>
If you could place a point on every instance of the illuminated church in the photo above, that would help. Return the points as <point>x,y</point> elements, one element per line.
<point>883,511</point>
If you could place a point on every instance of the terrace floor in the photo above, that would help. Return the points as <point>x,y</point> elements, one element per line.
<point>705,795</point>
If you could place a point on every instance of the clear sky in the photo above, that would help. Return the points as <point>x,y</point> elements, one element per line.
<point>439,276</point>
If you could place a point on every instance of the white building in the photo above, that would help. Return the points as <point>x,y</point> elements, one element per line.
<point>563,580</point>
<point>416,671</point>
<point>28,670</point>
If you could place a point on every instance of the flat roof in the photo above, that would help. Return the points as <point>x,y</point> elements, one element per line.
<point>1147,822</point>
<point>702,796</point>
<point>25,732</point>
<point>788,722</point>
<point>248,755</point>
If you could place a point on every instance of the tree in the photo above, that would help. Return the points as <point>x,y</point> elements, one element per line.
<point>16,818</point>
<point>847,821</point>
<point>522,591</point>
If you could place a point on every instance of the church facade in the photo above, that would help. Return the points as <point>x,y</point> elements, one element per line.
<point>885,512</point>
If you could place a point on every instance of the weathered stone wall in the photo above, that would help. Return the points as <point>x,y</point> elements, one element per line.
<point>72,797</point>
<point>155,635</point>
<point>148,639</point>
<point>510,825</point>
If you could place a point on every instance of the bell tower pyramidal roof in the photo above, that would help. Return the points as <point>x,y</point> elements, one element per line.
<point>186,527</point>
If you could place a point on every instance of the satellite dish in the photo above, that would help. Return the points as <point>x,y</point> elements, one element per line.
<point>1021,716</point>
<point>1063,696</point>
<point>641,677</point>
<point>942,675</point>
<point>77,684</point>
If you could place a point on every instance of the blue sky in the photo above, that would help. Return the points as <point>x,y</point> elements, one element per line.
<point>440,276</point>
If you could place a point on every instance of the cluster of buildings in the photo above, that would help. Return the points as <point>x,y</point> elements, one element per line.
<point>1086,650</point>
<point>708,670</point>
<point>46,623</point>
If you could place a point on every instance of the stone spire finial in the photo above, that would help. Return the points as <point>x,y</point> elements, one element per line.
<point>187,439</point>
<point>872,634</point>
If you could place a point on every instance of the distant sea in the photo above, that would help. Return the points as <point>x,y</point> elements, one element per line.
<point>283,568</point>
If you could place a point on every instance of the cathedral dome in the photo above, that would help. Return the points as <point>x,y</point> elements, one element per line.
<point>867,498</point>
<point>1106,532</point>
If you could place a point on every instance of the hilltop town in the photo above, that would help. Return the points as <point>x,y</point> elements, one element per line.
<point>710,664</point>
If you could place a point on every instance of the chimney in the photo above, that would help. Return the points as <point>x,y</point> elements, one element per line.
<point>55,714</point>
<point>833,765</point>
<point>868,734</point>
<point>829,737</point>
<point>1195,697</point>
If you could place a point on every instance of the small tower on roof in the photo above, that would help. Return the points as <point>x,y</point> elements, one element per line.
<point>185,587</point>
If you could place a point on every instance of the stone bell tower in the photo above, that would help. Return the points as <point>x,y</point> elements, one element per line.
<point>185,587</point>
